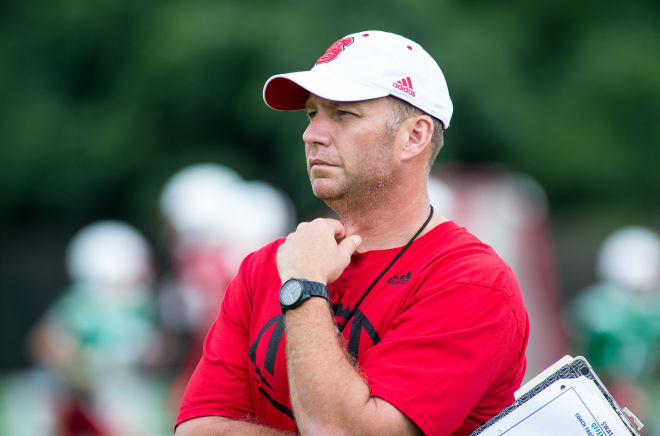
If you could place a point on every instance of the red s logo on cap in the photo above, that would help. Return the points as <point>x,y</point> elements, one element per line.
<point>335,49</point>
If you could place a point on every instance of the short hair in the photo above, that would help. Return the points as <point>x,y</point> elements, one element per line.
<point>402,110</point>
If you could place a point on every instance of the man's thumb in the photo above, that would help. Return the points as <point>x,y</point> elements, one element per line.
<point>350,244</point>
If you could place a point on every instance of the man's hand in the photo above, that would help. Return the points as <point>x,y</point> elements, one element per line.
<point>316,251</point>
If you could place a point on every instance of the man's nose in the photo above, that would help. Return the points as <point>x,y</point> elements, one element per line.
<point>316,132</point>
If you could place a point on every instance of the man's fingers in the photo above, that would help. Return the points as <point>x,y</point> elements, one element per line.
<point>350,244</point>
<point>339,229</point>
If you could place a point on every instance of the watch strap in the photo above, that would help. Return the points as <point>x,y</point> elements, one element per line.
<point>315,289</point>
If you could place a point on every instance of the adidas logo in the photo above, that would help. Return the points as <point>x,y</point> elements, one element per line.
<point>404,85</point>
<point>403,278</point>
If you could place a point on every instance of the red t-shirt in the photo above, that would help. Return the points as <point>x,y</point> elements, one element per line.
<point>441,336</point>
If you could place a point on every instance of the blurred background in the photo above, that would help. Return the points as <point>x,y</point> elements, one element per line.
<point>138,164</point>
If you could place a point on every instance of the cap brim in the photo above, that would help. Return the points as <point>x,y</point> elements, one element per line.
<point>289,92</point>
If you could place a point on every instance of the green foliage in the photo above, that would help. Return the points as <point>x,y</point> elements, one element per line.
<point>102,102</point>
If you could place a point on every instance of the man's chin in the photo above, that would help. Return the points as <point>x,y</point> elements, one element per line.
<point>327,196</point>
<point>326,191</point>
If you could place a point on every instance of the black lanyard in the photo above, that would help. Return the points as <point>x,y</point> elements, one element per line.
<point>405,247</point>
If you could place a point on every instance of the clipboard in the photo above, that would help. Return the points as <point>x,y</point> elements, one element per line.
<point>567,398</point>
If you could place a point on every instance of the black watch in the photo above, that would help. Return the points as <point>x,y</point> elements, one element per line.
<point>295,292</point>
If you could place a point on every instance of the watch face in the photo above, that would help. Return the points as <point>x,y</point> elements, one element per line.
<point>290,293</point>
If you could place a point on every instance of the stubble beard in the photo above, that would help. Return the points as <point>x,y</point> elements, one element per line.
<point>361,188</point>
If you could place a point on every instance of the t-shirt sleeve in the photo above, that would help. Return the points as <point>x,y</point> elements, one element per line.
<point>219,385</point>
<point>442,353</point>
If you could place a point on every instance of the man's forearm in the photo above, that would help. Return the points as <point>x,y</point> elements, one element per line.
<point>218,425</point>
<point>327,394</point>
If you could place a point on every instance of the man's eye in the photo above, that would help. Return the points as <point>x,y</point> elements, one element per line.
<point>311,114</point>
<point>343,113</point>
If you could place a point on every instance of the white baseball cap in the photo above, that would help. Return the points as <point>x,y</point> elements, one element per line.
<point>363,66</point>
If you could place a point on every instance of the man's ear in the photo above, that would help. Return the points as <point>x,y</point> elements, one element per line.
<point>418,131</point>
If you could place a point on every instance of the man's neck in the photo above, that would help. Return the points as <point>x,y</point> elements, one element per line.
<point>391,225</point>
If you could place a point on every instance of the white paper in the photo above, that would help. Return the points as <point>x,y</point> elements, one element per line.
<point>568,407</point>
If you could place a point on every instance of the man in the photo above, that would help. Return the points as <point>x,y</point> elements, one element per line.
<point>404,323</point>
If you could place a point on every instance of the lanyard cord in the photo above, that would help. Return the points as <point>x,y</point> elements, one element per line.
<point>405,247</point>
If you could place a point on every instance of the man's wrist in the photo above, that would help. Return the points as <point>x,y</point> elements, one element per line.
<point>310,277</point>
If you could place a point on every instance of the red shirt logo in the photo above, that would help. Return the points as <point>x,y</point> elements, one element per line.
<point>335,49</point>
